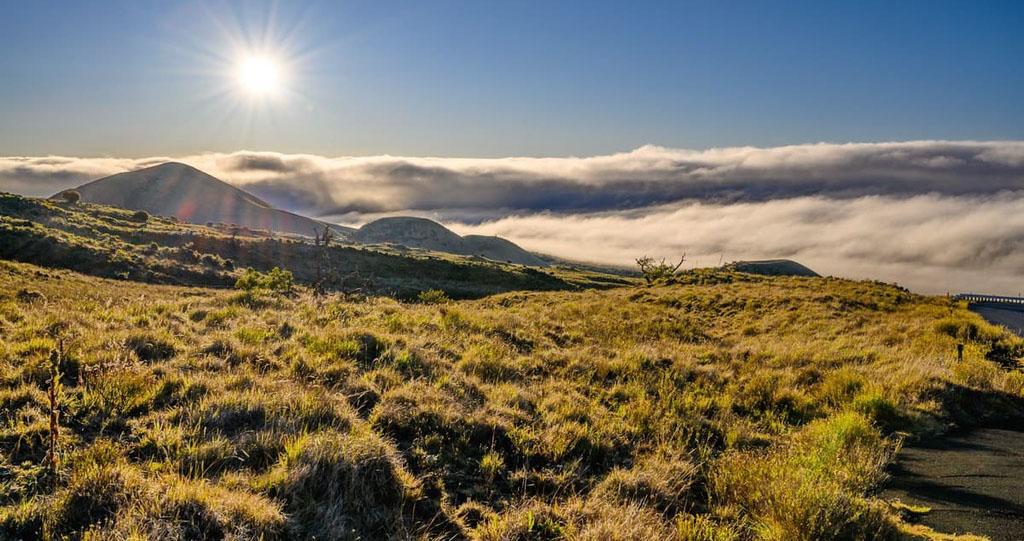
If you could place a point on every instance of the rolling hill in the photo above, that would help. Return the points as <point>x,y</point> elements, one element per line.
<point>179,190</point>
<point>430,235</point>
<point>188,194</point>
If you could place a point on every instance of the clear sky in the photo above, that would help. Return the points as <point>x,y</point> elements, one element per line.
<point>481,78</point>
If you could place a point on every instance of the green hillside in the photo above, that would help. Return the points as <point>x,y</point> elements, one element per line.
<point>723,406</point>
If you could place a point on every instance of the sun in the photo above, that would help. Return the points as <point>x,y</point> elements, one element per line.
<point>259,75</point>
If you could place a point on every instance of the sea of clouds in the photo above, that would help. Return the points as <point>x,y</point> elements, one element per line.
<point>936,216</point>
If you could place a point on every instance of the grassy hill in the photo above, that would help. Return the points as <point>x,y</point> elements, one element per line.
<point>722,406</point>
<point>113,242</point>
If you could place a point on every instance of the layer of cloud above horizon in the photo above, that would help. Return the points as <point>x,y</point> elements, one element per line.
<point>934,215</point>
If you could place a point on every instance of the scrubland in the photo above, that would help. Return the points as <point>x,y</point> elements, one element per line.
<point>719,406</point>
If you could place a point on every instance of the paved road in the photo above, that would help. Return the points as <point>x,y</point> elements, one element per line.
<point>973,481</point>
<point>1013,319</point>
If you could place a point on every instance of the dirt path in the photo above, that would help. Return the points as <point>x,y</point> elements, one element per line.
<point>973,482</point>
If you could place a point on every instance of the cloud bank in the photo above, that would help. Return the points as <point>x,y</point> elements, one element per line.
<point>931,243</point>
<point>934,215</point>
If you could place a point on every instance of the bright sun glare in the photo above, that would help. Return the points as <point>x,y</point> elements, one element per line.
<point>259,75</point>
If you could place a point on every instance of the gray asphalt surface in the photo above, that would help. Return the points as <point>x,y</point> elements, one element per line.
<point>1013,319</point>
<point>973,482</point>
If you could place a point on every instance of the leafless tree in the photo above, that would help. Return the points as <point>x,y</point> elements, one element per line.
<point>652,270</point>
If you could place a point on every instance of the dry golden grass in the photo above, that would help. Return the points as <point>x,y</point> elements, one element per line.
<point>727,406</point>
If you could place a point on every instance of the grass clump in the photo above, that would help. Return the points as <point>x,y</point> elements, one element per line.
<point>343,486</point>
<point>841,386</point>
<point>884,412</point>
<point>812,488</point>
<point>95,496</point>
<point>663,482</point>
<point>150,348</point>
<point>203,510</point>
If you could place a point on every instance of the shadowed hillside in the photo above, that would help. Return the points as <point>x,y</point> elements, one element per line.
<point>182,191</point>
<point>430,235</point>
<point>112,242</point>
<point>773,267</point>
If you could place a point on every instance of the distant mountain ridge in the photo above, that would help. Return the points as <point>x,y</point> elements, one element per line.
<point>180,190</point>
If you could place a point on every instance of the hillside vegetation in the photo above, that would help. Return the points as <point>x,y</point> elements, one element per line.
<point>118,243</point>
<point>720,406</point>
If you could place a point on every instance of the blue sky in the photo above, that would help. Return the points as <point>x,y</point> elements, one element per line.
<point>505,78</point>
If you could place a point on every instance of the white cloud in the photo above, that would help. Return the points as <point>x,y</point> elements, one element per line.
<point>930,243</point>
<point>648,175</point>
<point>934,215</point>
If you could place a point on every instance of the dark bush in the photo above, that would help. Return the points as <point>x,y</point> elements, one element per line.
<point>28,295</point>
<point>71,196</point>
<point>211,260</point>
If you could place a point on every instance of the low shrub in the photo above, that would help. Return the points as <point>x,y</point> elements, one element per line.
<point>976,373</point>
<point>276,280</point>
<point>433,296</point>
<point>71,196</point>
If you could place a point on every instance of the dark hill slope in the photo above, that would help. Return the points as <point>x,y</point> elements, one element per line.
<point>182,191</point>
<point>411,232</point>
<point>500,249</point>
<point>430,235</point>
<point>773,267</point>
